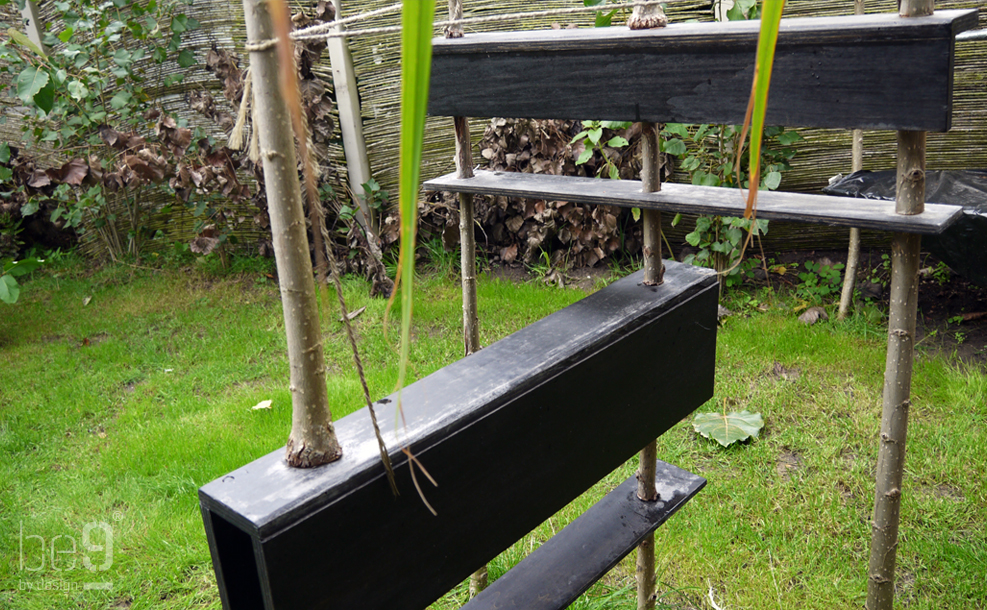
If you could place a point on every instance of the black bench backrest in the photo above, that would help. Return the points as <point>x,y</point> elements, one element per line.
<point>512,434</point>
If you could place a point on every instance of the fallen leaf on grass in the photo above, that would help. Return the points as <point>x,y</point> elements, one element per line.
<point>86,300</point>
<point>728,428</point>
<point>353,315</point>
<point>264,404</point>
<point>813,315</point>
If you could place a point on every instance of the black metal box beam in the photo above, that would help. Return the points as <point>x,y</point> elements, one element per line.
<point>512,434</point>
<point>869,72</point>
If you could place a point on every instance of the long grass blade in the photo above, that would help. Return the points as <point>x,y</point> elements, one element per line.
<point>416,65</point>
<point>771,11</point>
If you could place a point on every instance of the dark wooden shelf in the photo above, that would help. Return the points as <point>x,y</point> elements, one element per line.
<point>562,569</point>
<point>870,72</point>
<point>686,198</point>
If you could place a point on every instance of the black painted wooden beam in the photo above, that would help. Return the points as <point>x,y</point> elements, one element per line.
<point>562,569</point>
<point>691,199</point>
<point>869,72</point>
<point>511,433</point>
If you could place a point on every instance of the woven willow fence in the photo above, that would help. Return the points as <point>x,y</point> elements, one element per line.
<point>823,154</point>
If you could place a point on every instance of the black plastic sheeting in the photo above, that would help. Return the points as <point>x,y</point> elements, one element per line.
<point>963,245</point>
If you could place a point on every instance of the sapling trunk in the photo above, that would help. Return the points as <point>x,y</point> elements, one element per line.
<point>853,251</point>
<point>313,440</point>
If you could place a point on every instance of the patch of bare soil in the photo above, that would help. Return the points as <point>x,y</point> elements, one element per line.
<point>788,462</point>
<point>952,312</point>
<point>587,279</point>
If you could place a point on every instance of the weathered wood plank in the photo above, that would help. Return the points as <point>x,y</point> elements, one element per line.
<point>829,72</point>
<point>563,568</point>
<point>687,198</point>
<point>522,416</point>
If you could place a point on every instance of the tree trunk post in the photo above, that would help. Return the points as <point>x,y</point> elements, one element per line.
<point>646,492</point>
<point>653,276</point>
<point>467,245</point>
<point>853,251</point>
<point>910,199</point>
<point>467,240</point>
<point>654,270</point>
<point>313,439</point>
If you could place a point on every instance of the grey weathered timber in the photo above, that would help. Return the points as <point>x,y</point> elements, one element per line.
<point>828,72</point>
<point>687,198</point>
<point>559,571</point>
<point>511,434</point>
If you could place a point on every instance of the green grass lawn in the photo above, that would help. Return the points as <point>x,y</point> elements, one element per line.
<point>122,390</point>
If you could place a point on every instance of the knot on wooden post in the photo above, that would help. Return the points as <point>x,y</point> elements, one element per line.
<point>878,579</point>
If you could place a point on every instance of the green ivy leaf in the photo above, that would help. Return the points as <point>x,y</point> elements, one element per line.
<point>6,174</point>
<point>615,125</point>
<point>29,208</point>
<point>45,99</point>
<point>121,100</point>
<point>772,180</point>
<point>585,156</point>
<point>636,214</point>
<point>29,82</point>
<point>78,90</point>
<point>693,238</point>
<point>614,173</point>
<point>9,289</point>
<point>677,219</point>
<point>595,135</point>
<point>702,178</point>
<point>677,129</point>
<point>4,152</point>
<point>22,267</point>
<point>674,147</point>
<point>179,24</point>
<point>123,58</point>
<point>617,142</point>
<point>789,137</point>
<point>21,39</point>
<point>186,58</point>
<point>728,428</point>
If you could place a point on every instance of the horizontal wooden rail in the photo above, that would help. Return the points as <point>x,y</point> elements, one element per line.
<point>511,433</point>
<point>687,198</point>
<point>870,72</point>
<point>562,569</point>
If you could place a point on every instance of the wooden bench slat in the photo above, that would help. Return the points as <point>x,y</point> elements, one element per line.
<point>869,72</point>
<point>687,198</point>
<point>511,433</point>
<point>563,568</point>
